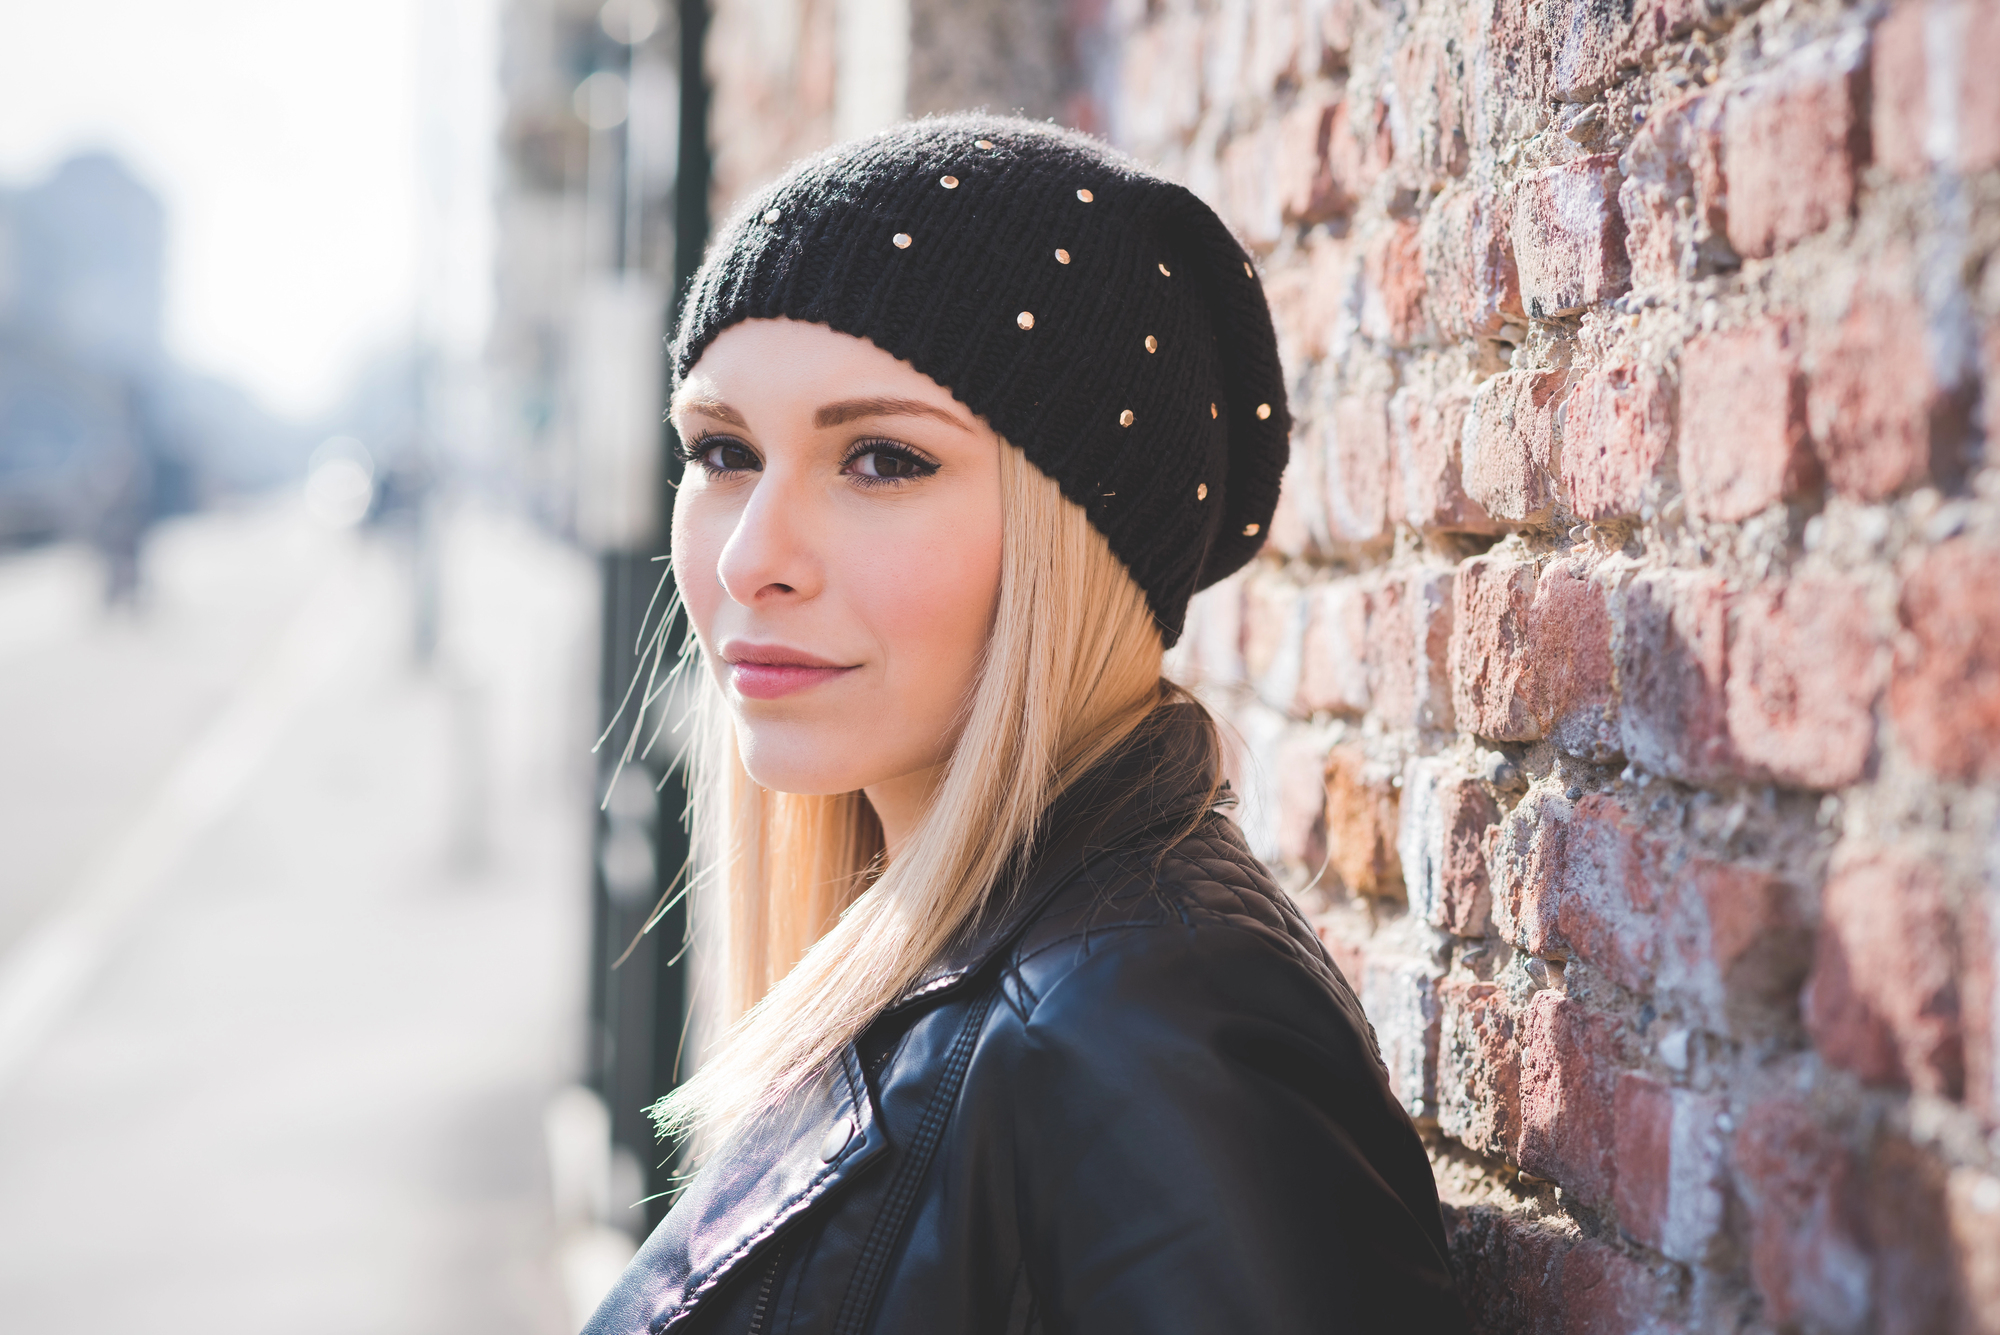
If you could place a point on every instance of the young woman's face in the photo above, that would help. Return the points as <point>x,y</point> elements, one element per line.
<point>837,542</point>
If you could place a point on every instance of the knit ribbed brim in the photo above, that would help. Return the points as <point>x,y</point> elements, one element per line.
<point>1101,319</point>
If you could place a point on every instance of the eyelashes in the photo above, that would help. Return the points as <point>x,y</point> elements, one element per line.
<point>894,463</point>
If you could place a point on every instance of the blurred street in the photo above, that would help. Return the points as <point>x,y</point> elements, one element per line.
<point>292,929</point>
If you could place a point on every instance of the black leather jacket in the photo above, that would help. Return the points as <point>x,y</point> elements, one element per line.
<point>1140,1099</point>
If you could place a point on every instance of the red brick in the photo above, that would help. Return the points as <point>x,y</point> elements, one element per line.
<point>1657,22</point>
<point>1617,426</point>
<point>1479,1066</point>
<point>1883,999</point>
<point>1519,1275</point>
<point>1673,714</point>
<point>1349,955</point>
<point>1899,91</point>
<point>1408,648</point>
<point>1588,881</point>
<point>1730,931</point>
<point>1489,647</point>
<point>1569,238</point>
<point>1793,140</point>
<point>1945,693</point>
<point>1805,668</point>
<point>1426,429</point>
<point>1361,819</point>
<point>1743,438</point>
<point>1591,887</point>
<point>1510,446</point>
<point>1472,284</point>
<point>1945,115</point>
<point>1799,1185</point>
<point>1586,41</point>
<point>1358,467</point>
<point>1569,655</point>
<point>1306,183</point>
<point>1908,1238</point>
<point>1392,295</point>
<point>1269,607</point>
<point>1603,1289</point>
<point>1568,1104</point>
<point>1359,147</point>
<point>1979,1001</point>
<point>1669,1152</point>
<point>1431,84</point>
<point>1333,672</point>
<point>1514,59</point>
<point>1250,189</point>
<point>1399,994</point>
<point>1977,124</point>
<point>1211,650</point>
<point>1880,421</point>
<point>1972,1216</point>
<point>1675,156</point>
<point>1297,770</point>
<point>1446,814</point>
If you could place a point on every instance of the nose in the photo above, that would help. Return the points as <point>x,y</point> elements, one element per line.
<point>770,554</point>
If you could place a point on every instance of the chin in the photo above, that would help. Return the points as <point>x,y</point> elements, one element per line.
<point>796,757</point>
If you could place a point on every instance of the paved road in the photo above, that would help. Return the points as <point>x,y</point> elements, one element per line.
<point>290,934</point>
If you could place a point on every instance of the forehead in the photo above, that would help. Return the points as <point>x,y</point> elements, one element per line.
<point>786,365</point>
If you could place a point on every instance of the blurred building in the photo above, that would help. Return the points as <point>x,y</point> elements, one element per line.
<point>101,432</point>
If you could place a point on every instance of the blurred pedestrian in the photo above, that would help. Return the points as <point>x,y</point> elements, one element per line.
<point>1019,1034</point>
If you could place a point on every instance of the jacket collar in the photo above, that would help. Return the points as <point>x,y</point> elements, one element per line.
<point>1161,774</point>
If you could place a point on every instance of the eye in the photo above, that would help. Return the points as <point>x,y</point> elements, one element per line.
<point>887,461</point>
<point>723,454</point>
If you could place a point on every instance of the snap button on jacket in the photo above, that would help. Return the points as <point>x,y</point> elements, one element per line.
<point>1139,1098</point>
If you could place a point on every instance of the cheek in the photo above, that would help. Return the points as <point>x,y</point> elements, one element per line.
<point>698,539</point>
<point>928,598</point>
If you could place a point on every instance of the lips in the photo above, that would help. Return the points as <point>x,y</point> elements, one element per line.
<point>770,671</point>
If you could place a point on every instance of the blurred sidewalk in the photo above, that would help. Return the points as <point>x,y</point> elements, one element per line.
<point>291,933</point>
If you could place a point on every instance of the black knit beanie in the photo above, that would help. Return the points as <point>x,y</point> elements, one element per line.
<point>1101,319</point>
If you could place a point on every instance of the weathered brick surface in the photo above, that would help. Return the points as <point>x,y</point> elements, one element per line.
<point>1883,1001</point>
<point>1945,695</point>
<point>1472,283</point>
<point>1510,445</point>
<point>1569,238</point>
<point>1798,1183</point>
<point>1569,1121</point>
<point>1361,822</point>
<point>1805,669</point>
<point>1617,426</point>
<point>1622,657</point>
<point>1880,421</point>
<point>1793,142</point>
<point>1671,1152</point>
<point>1445,816</point>
<point>1673,662</point>
<point>1427,429</point>
<point>1743,440</point>
<point>1490,669</point>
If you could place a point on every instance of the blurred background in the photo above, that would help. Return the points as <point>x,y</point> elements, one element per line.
<point>332,478</point>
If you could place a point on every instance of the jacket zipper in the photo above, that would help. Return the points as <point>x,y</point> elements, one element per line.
<point>760,1313</point>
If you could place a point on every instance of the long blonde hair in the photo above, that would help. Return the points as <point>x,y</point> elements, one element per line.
<point>810,934</point>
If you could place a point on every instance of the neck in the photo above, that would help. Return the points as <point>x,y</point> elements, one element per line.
<point>899,804</point>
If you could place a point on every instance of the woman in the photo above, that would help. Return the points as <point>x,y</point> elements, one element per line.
<point>1022,1038</point>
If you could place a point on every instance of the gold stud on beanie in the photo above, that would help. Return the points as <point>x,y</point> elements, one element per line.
<point>1101,319</point>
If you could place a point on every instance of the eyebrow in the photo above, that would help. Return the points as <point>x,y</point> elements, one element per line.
<point>848,410</point>
<point>715,408</point>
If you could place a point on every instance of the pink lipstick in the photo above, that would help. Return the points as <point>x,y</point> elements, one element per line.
<point>770,671</point>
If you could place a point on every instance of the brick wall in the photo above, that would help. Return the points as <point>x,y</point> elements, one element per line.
<point>1620,689</point>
